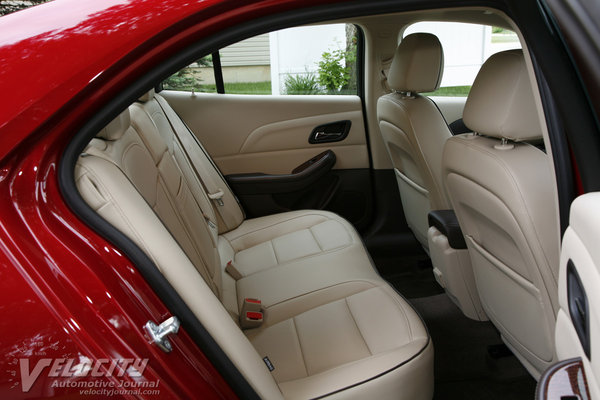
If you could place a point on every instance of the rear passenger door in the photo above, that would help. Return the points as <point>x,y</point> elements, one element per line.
<point>578,321</point>
<point>281,116</point>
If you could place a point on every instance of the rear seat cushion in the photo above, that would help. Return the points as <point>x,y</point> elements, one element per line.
<point>346,340</point>
<point>286,255</point>
<point>331,326</point>
<point>266,242</point>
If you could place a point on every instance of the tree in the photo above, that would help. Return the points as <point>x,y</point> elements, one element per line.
<point>351,48</point>
<point>10,6</point>
<point>186,79</point>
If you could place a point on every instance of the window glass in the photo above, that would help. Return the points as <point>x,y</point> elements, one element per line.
<point>466,47</point>
<point>319,59</point>
<point>197,77</point>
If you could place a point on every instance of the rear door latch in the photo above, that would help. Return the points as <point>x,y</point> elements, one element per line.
<point>159,334</point>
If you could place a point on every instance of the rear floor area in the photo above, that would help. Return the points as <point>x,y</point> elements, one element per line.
<point>463,367</point>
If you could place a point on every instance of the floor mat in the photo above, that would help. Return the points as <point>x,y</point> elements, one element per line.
<point>463,367</point>
<point>411,276</point>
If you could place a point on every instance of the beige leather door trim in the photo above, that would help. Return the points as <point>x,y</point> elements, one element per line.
<point>450,107</point>
<point>269,134</point>
<point>580,245</point>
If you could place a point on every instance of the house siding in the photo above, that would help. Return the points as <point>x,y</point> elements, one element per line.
<point>253,51</point>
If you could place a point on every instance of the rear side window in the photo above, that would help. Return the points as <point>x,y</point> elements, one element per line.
<point>308,60</point>
<point>195,77</point>
<point>466,47</point>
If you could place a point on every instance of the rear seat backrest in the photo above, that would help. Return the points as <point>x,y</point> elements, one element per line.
<point>153,168</point>
<point>227,208</point>
<point>332,326</point>
<point>118,176</point>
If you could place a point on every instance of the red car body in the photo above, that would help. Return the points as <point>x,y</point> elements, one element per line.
<point>65,292</point>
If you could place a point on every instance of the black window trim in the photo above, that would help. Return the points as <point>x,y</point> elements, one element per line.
<point>218,71</point>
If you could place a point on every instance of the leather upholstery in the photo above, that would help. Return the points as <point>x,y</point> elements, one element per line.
<point>317,284</point>
<point>226,207</point>
<point>417,65</point>
<point>414,131</point>
<point>500,193</point>
<point>501,103</point>
<point>116,128</point>
<point>149,95</point>
<point>453,271</point>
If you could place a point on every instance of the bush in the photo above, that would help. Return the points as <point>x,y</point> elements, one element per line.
<point>302,84</point>
<point>337,69</point>
<point>333,75</point>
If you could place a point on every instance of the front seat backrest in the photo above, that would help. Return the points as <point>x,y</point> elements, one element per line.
<point>413,129</point>
<point>503,194</point>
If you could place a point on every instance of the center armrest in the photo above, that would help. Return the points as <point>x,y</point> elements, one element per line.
<point>445,221</point>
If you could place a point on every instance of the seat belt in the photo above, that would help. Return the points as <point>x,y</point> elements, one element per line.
<point>206,276</point>
<point>189,142</point>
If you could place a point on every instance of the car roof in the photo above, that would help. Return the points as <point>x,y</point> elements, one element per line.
<point>53,51</point>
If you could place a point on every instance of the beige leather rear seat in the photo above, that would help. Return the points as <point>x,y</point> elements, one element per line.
<point>331,326</point>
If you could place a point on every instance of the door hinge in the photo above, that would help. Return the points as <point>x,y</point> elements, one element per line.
<point>159,334</point>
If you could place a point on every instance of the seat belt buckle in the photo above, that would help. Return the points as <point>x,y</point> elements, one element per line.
<point>217,197</point>
<point>233,271</point>
<point>251,315</point>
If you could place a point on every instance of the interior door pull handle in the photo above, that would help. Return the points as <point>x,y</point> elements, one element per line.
<point>578,307</point>
<point>327,135</point>
<point>331,132</point>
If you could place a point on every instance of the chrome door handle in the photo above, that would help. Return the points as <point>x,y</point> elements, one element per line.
<point>327,135</point>
<point>331,132</point>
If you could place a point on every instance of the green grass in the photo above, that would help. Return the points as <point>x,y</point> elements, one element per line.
<point>231,88</point>
<point>505,39</point>
<point>265,88</point>
<point>241,88</point>
<point>451,91</point>
<point>248,88</point>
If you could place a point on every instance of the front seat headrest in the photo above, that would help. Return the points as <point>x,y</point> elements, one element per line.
<point>501,102</point>
<point>418,64</point>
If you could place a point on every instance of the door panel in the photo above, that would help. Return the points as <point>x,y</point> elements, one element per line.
<point>268,147</point>
<point>451,107</point>
<point>270,134</point>
<point>581,255</point>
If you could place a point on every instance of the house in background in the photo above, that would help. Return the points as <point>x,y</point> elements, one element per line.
<point>297,51</point>
<point>272,57</point>
<point>245,61</point>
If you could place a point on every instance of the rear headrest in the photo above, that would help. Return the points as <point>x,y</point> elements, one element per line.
<point>117,127</point>
<point>501,102</point>
<point>149,95</point>
<point>418,64</point>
